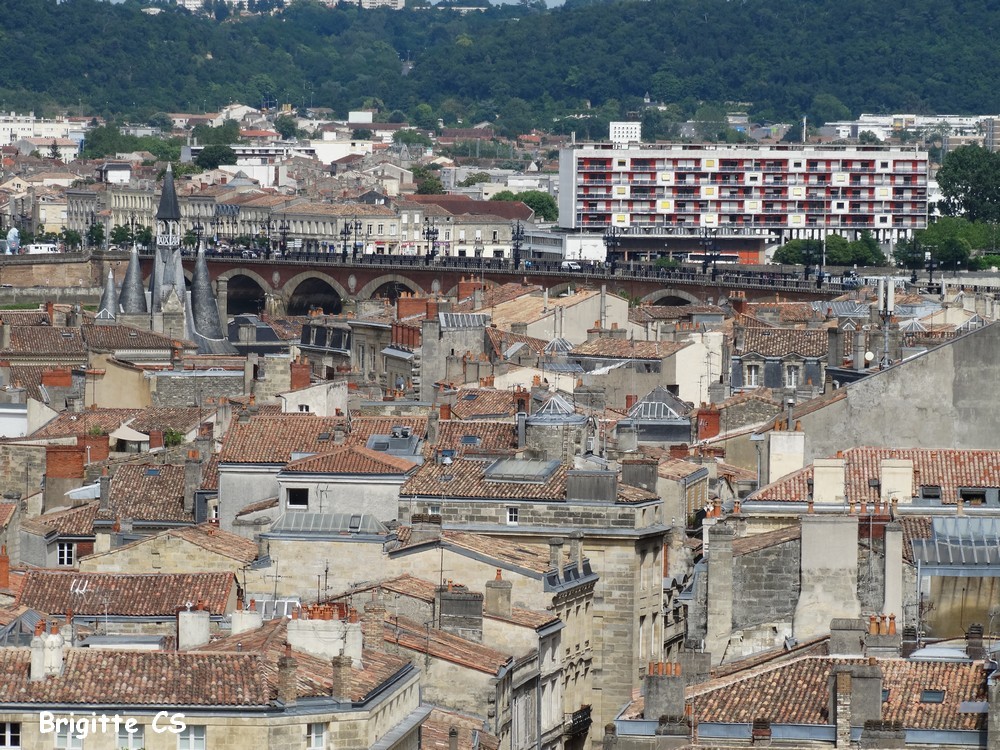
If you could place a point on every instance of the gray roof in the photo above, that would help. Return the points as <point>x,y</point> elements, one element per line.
<point>169,209</point>
<point>558,346</point>
<point>556,410</point>
<point>205,309</point>
<point>659,404</point>
<point>108,308</point>
<point>303,522</point>
<point>971,543</point>
<point>132,299</point>
<point>463,320</point>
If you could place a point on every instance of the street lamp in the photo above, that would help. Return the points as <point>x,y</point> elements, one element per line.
<point>431,235</point>
<point>612,240</point>
<point>132,219</point>
<point>283,231</point>
<point>197,229</point>
<point>345,236</point>
<point>516,241</point>
<point>930,263</point>
<point>710,251</point>
<point>359,244</point>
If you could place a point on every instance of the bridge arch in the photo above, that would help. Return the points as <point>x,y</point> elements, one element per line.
<point>369,289</point>
<point>668,296</point>
<point>557,289</point>
<point>246,291</point>
<point>313,288</point>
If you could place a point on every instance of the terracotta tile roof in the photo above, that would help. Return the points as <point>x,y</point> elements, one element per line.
<point>914,527</point>
<point>286,329</point>
<point>798,693</point>
<point>69,424</point>
<point>735,473</point>
<point>441,644</point>
<point>271,502</point>
<point>406,585</point>
<point>531,556</point>
<point>528,308</point>
<point>314,674</point>
<point>29,377</point>
<point>145,595</point>
<point>483,403</point>
<point>6,513</point>
<point>763,395</point>
<point>499,438</point>
<point>149,492</point>
<point>209,537</point>
<point>467,478</point>
<point>495,295</point>
<point>472,734</point>
<point>785,312</point>
<point>677,468</point>
<point>25,317</point>
<point>118,337</point>
<point>526,618</point>
<point>142,678</point>
<point>351,459</point>
<point>77,521</point>
<point>501,341</point>
<point>756,542</point>
<point>647,313</point>
<point>271,439</point>
<point>629,494</point>
<point>45,341</point>
<point>778,342</point>
<point>463,204</point>
<point>612,348</point>
<point>210,473</point>
<point>947,468</point>
<point>9,614</point>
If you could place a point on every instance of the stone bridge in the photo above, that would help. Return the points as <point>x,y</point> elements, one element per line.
<point>291,287</point>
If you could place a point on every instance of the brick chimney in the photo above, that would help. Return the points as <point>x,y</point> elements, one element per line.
<point>300,375</point>
<point>372,626</point>
<point>496,600</point>
<point>57,377</point>
<point>96,447</point>
<point>340,684</point>
<point>155,439</point>
<point>37,663</point>
<point>663,688</point>
<point>555,553</point>
<point>4,568</point>
<point>424,528</point>
<point>288,689</point>
<point>64,461</point>
<point>709,422</point>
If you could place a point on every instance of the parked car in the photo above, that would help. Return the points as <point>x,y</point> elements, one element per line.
<point>569,265</point>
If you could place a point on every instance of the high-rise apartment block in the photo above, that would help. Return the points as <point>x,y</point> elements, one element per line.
<point>779,192</point>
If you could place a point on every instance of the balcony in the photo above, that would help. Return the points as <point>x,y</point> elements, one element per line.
<point>577,723</point>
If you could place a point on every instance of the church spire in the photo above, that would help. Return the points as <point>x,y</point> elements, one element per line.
<point>108,309</point>
<point>204,308</point>
<point>132,299</point>
<point>169,209</point>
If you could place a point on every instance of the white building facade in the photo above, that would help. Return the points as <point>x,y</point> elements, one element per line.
<point>786,192</point>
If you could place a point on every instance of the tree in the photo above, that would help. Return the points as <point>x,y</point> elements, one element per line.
<point>868,138</point>
<point>72,239</point>
<point>144,236</point>
<point>543,204</point>
<point>212,156</point>
<point>424,117</point>
<point>54,150</point>
<point>95,235</point>
<point>286,126</point>
<point>504,195</point>
<point>162,121</point>
<point>828,108</point>
<point>411,138</point>
<point>120,235</point>
<point>969,180</point>
<point>474,179</point>
<point>427,183</point>
<point>361,134</point>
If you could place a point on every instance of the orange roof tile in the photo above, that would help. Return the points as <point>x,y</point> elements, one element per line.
<point>351,459</point>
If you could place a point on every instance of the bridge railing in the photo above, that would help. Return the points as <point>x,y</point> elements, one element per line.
<point>728,278</point>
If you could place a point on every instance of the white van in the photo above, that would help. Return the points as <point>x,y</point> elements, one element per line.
<point>569,265</point>
<point>39,248</point>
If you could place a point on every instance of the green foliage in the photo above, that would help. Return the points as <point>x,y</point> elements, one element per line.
<point>668,263</point>
<point>120,235</point>
<point>411,138</point>
<point>95,235</point>
<point>361,134</point>
<point>543,204</point>
<point>172,437</point>
<point>969,180</point>
<point>868,138</point>
<point>286,126</point>
<point>427,183</point>
<point>228,132</point>
<point>71,238</point>
<point>212,156</point>
<point>839,252</point>
<point>504,195</point>
<point>474,179</point>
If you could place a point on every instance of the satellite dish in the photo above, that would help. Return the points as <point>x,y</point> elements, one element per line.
<point>869,356</point>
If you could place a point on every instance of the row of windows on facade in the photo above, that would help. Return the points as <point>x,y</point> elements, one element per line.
<point>790,379</point>
<point>193,737</point>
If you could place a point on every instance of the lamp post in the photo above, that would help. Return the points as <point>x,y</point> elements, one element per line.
<point>930,263</point>
<point>710,251</point>
<point>612,240</point>
<point>266,226</point>
<point>345,236</point>
<point>132,220</point>
<point>431,235</point>
<point>516,242</point>
<point>283,231</point>
<point>359,243</point>
<point>197,229</point>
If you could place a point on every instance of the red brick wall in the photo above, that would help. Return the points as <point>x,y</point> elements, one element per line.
<point>155,439</point>
<point>57,377</point>
<point>98,444</point>
<point>64,461</point>
<point>300,375</point>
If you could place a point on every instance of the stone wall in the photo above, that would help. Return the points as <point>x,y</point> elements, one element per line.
<point>183,389</point>
<point>21,468</point>
<point>766,585</point>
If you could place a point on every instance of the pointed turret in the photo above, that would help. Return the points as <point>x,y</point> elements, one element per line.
<point>204,308</point>
<point>155,280</point>
<point>108,309</point>
<point>169,209</point>
<point>132,299</point>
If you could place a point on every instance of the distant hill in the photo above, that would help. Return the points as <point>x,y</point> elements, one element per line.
<point>519,65</point>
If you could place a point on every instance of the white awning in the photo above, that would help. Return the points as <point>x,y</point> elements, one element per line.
<point>129,435</point>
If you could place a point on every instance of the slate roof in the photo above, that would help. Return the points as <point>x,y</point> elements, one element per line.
<point>947,468</point>
<point>141,678</point>
<point>780,342</point>
<point>351,459</point>
<point>441,644</point>
<point>149,492</point>
<point>464,478</point>
<point>501,341</point>
<point>613,348</point>
<point>119,594</point>
<point>659,404</point>
<point>483,403</point>
<point>797,692</point>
